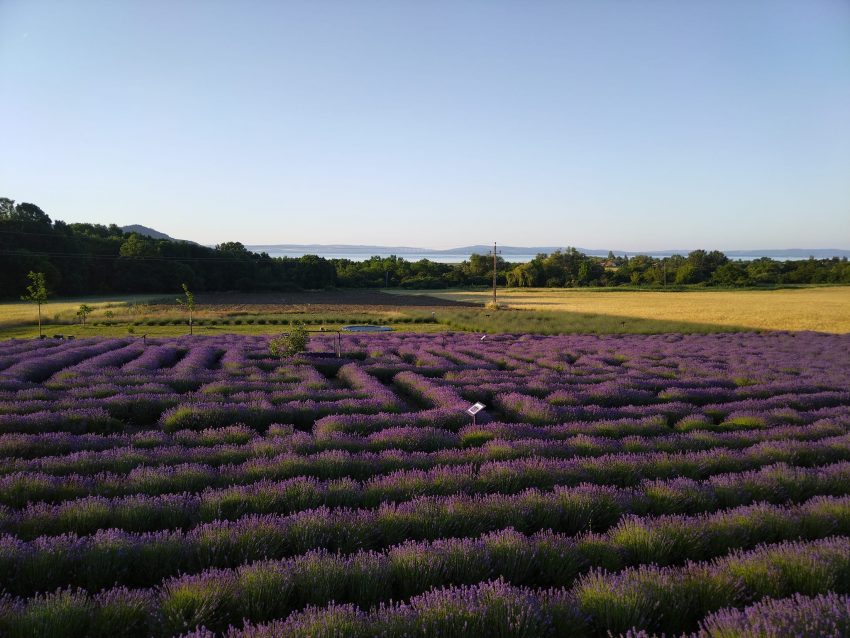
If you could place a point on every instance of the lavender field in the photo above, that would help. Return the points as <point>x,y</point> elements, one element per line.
<point>635,485</point>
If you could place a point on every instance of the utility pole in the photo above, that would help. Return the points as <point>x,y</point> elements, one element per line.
<point>495,253</point>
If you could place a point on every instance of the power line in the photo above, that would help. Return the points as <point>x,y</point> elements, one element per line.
<point>60,235</point>
<point>41,253</point>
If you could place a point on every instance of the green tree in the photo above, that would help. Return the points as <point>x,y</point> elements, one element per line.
<point>640,269</point>
<point>84,312</point>
<point>764,270</point>
<point>136,246</point>
<point>233,248</point>
<point>313,272</point>
<point>479,265</point>
<point>36,293</point>
<point>32,214</point>
<point>7,208</point>
<point>292,343</point>
<point>688,273</point>
<point>700,266</point>
<point>525,275</point>
<point>730,274</point>
<point>189,302</point>
<point>585,273</point>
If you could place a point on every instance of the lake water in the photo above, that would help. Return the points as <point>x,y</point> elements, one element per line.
<point>442,259</point>
<point>456,259</point>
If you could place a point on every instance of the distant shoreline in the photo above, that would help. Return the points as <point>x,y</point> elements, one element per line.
<point>356,253</point>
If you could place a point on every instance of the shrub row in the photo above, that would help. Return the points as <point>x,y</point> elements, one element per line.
<point>259,413</point>
<point>17,488</point>
<point>641,599</point>
<point>648,598</point>
<point>17,448</point>
<point>822,616</point>
<point>141,513</point>
<point>77,421</point>
<point>143,559</point>
<point>38,365</point>
<point>360,411</point>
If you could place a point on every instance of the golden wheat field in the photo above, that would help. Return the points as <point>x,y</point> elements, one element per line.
<point>824,309</point>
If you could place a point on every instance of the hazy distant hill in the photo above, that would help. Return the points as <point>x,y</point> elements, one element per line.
<point>780,254</point>
<point>802,253</point>
<point>482,249</point>
<point>150,232</point>
<point>401,250</point>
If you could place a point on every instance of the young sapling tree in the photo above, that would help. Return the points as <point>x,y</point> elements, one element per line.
<point>189,302</point>
<point>83,312</point>
<point>36,293</point>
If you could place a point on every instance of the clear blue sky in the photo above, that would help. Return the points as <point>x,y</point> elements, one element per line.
<point>633,125</point>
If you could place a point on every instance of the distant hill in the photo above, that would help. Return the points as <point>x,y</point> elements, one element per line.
<point>330,249</point>
<point>796,253</point>
<point>401,250</point>
<point>787,253</point>
<point>150,232</point>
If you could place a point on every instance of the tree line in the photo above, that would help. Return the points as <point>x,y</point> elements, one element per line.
<point>572,268</point>
<point>87,259</point>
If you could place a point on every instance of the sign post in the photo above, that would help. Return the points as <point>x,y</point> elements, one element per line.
<point>474,409</point>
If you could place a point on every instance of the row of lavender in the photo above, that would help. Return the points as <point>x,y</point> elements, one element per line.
<point>89,561</point>
<point>600,603</point>
<point>124,464</point>
<point>103,385</point>
<point>405,475</point>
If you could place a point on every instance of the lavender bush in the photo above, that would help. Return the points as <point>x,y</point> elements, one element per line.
<point>659,484</point>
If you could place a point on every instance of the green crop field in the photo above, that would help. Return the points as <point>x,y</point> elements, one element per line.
<point>217,313</point>
<point>17,313</point>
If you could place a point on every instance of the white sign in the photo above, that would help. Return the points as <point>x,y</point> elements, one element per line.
<point>475,409</point>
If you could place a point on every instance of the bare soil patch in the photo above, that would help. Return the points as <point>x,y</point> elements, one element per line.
<point>327,299</point>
